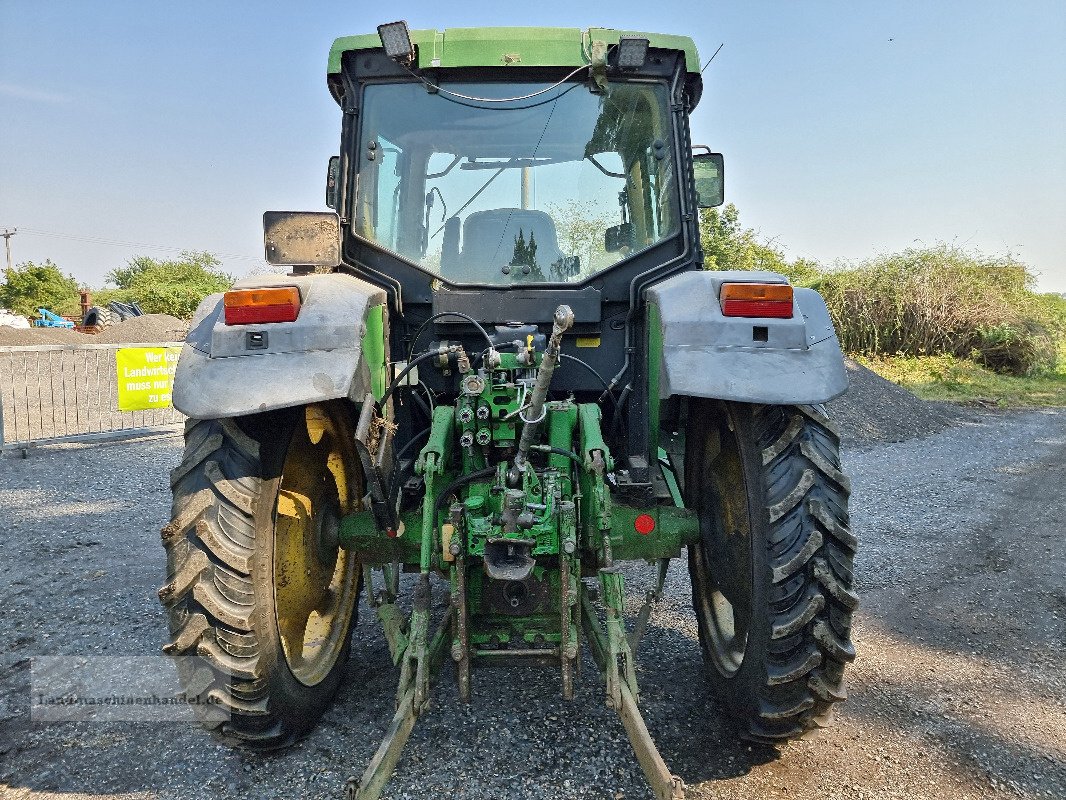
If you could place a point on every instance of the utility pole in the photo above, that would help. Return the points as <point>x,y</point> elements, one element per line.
<point>7,234</point>
<point>527,187</point>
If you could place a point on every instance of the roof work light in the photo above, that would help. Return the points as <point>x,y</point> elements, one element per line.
<point>396,39</point>
<point>632,52</point>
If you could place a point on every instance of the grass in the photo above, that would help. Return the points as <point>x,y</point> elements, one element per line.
<point>962,381</point>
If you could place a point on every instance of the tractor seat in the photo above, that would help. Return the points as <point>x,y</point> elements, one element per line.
<point>489,243</point>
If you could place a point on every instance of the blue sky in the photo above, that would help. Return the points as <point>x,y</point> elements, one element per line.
<point>849,128</point>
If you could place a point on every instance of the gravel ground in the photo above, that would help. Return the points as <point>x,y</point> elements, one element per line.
<point>958,690</point>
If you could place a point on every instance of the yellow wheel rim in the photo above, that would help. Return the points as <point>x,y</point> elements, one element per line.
<point>315,580</point>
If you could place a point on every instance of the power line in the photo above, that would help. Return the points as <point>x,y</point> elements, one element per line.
<point>121,243</point>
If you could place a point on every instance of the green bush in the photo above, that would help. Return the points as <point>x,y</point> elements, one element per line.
<point>166,287</point>
<point>946,300</point>
<point>940,300</point>
<point>30,286</point>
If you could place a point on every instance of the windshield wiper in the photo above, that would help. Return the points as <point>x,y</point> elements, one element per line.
<point>512,163</point>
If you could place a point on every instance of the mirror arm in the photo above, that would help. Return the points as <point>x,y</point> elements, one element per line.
<point>602,169</point>
<point>447,169</point>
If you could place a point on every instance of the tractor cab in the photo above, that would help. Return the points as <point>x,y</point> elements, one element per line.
<point>496,157</point>
<point>487,176</point>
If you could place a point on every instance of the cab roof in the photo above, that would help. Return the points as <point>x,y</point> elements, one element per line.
<point>511,47</point>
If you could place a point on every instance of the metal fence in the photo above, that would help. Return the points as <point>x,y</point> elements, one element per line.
<point>67,392</point>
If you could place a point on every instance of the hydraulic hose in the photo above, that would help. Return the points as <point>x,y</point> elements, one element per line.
<point>398,380</point>
<point>595,372</point>
<point>458,483</point>
<point>561,452</point>
<point>438,315</point>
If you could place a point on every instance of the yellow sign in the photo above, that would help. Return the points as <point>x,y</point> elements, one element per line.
<point>145,376</point>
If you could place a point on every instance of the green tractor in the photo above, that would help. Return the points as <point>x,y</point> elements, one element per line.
<point>499,370</point>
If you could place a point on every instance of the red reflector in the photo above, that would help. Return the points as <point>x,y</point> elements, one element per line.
<point>245,315</point>
<point>268,304</point>
<point>757,300</point>
<point>778,309</point>
<point>644,524</point>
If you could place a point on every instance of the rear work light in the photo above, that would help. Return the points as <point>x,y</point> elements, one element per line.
<point>757,300</point>
<point>269,304</point>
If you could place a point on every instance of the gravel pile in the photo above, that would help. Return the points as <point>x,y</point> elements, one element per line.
<point>876,410</point>
<point>147,328</point>
<point>15,337</point>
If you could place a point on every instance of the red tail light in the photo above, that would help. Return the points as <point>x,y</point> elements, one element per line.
<point>269,304</point>
<point>756,300</point>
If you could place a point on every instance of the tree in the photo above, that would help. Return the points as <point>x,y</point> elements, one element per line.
<point>580,230</point>
<point>168,287</point>
<point>525,255</point>
<point>728,245</point>
<point>30,286</point>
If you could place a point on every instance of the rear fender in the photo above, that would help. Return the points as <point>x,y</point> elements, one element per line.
<point>227,371</point>
<point>774,361</point>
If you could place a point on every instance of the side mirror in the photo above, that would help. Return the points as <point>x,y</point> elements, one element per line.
<point>709,171</point>
<point>332,183</point>
<point>619,237</point>
<point>302,238</point>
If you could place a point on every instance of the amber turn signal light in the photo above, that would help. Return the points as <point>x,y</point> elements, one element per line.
<point>269,304</point>
<point>756,300</point>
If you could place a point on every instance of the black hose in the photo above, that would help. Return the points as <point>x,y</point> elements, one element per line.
<point>403,374</point>
<point>459,483</point>
<point>429,397</point>
<point>592,369</point>
<point>422,327</point>
<point>560,452</point>
<point>420,401</point>
<point>616,420</point>
<point>411,443</point>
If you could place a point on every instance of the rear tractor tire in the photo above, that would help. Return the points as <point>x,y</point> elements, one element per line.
<point>772,574</point>
<point>260,598</point>
<point>97,319</point>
